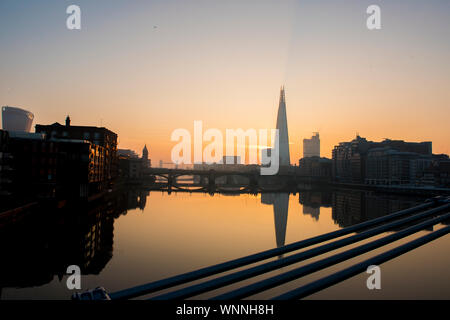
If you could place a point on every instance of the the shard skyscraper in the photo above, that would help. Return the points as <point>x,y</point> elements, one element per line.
<point>283,143</point>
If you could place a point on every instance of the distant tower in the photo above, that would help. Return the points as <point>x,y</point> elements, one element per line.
<point>68,121</point>
<point>311,147</point>
<point>282,127</point>
<point>145,153</point>
<point>145,156</point>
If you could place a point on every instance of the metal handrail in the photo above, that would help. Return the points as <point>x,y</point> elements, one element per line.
<point>347,273</point>
<point>327,262</point>
<point>273,265</point>
<point>236,263</point>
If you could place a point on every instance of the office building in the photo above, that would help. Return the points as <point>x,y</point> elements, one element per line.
<point>131,167</point>
<point>16,119</point>
<point>350,158</point>
<point>311,147</point>
<point>315,167</point>
<point>283,136</point>
<point>387,166</point>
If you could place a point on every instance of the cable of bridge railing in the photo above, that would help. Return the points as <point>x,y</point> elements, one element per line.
<point>229,265</point>
<point>349,272</point>
<point>222,281</point>
<point>277,280</point>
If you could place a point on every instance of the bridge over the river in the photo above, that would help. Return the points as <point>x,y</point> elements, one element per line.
<point>211,181</point>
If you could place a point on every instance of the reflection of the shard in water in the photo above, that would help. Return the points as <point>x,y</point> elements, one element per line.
<point>280,202</point>
<point>348,207</point>
<point>312,201</point>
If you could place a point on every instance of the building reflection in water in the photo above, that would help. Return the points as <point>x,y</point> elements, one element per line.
<point>348,207</point>
<point>280,202</point>
<point>353,207</point>
<point>35,251</point>
<point>312,201</point>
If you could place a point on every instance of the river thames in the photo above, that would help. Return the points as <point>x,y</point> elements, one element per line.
<point>143,236</point>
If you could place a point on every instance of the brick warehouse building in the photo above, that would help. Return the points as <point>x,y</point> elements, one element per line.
<point>57,161</point>
<point>36,167</point>
<point>98,136</point>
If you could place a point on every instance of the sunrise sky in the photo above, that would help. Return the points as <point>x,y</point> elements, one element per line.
<point>145,68</point>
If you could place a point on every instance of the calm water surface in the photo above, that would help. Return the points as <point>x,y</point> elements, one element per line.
<point>140,237</point>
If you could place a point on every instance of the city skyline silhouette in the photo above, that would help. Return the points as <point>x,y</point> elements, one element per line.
<point>340,80</point>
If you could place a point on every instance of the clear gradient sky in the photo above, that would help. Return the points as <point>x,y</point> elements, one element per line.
<point>145,68</point>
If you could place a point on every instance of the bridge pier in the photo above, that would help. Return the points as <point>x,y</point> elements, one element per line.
<point>170,179</point>
<point>253,183</point>
<point>211,181</point>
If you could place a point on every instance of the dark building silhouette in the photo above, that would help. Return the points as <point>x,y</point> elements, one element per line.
<point>37,167</point>
<point>145,159</point>
<point>350,158</point>
<point>388,166</point>
<point>315,167</point>
<point>131,167</point>
<point>30,166</point>
<point>437,173</point>
<point>57,160</point>
<point>83,168</point>
<point>4,163</point>
<point>98,136</point>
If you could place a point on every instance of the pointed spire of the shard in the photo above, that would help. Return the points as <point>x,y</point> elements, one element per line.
<point>283,131</point>
<point>282,97</point>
